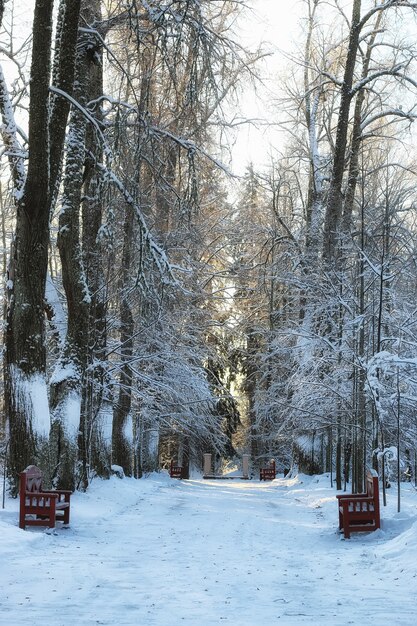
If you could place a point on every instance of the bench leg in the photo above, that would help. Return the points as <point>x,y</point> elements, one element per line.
<point>22,518</point>
<point>52,513</point>
<point>346,530</point>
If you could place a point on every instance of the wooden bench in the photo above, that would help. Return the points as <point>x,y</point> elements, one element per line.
<point>39,507</point>
<point>359,512</point>
<point>268,473</point>
<point>177,471</point>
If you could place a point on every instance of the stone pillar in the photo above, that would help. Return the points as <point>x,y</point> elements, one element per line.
<point>245,465</point>
<point>207,464</point>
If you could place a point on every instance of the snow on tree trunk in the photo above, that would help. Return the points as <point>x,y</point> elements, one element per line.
<point>9,135</point>
<point>150,448</point>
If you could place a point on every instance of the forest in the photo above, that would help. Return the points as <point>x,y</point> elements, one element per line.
<point>157,306</point>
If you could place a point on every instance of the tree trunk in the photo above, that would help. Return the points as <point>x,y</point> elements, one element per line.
<point>63,79</point>
<point>25,326</point>
<point>71,389</point>
<point>97,420</point>
<point>315,190</point>
<point>72,363</point>
<point>121,453</point>
<point>335,196</point>
<point>357,136</point>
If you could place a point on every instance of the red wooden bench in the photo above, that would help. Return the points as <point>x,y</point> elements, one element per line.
<point>177,471</point>
<point>39,507</point>
<point>359,512</point>
<point>268,473</point>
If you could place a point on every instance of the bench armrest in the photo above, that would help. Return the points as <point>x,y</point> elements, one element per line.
<point>41,494</point>
<point>343,496</point>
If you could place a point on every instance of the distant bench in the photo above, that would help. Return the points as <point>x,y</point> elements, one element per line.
<point>178,471</point>
<point>359,512</point>
<point>269,472</point>
<point>40,507</point>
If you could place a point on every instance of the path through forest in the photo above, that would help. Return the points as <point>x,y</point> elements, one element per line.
<point>160,552</point>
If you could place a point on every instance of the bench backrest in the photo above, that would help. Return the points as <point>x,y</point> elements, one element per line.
<point>31,479</point>
<point>372,487</point>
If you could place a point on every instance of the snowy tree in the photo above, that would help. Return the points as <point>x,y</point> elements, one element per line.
<point>26,394</point>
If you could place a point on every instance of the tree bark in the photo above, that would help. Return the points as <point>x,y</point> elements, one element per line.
<point>72,362</point>
<point>79,277</point>
<point>357,136</point>
<point>335,197</point>
<point>94,395</point>
<point>121,453</point>
<point>63,78</point>
<point>25,358</point>
<point>315,189</point>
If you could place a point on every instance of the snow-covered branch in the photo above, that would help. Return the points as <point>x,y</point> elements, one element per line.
<point>394,71</point>
<point>388,4</point>
<point>88,115</point>
<point>158,254</point>
<point>388,113</point>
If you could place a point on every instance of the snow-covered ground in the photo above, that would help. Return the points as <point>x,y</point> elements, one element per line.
<point>161,552</point>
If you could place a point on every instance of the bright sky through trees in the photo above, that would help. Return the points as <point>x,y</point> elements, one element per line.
<point>275,25</point>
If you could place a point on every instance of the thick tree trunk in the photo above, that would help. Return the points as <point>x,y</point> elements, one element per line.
<point>25,326</point>
<point>72,389</point>
<point>62,79</point>
<point>72,363</point>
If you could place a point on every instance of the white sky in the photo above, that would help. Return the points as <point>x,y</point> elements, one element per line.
<point>276,24</point>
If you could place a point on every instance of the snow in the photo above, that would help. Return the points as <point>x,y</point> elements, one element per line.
<point>32,394</point>
<point>60,318</point>
<point>62,372</point>
<point>70,414</point>
<point>8,130</point>
<point>38,394</point>
<point>160,552</point>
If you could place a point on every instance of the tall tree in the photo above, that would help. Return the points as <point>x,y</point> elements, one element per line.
<point>25,360</point>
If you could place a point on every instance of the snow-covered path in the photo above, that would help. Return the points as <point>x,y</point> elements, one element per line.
<point>160,552</point>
